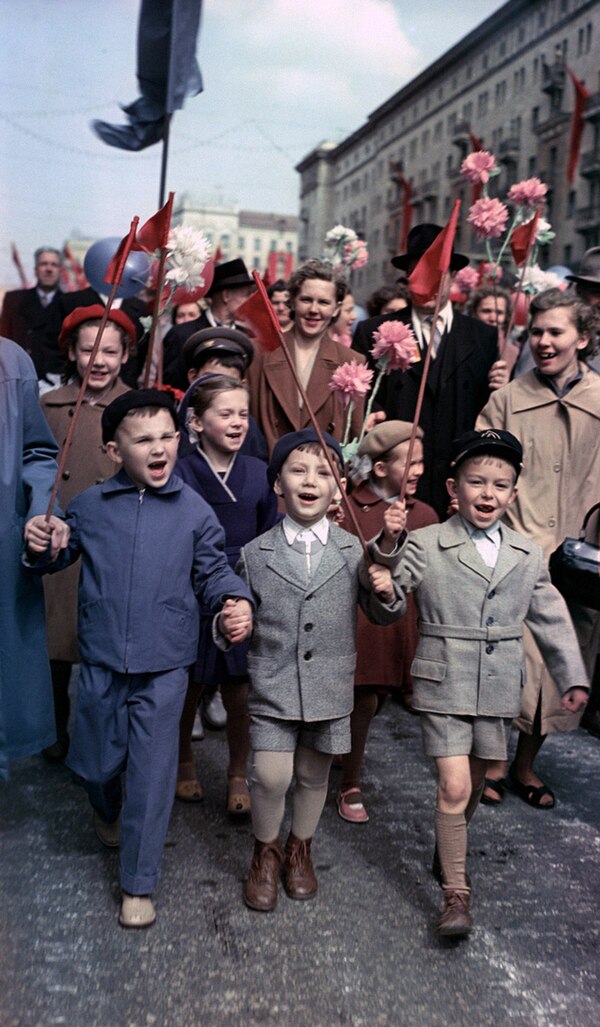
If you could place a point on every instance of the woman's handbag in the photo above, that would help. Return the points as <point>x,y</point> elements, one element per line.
<point>575,568</point>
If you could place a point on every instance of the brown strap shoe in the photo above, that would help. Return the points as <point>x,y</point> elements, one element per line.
<point>299,877</point>
<point>455,920</point>
<point>260,890</point>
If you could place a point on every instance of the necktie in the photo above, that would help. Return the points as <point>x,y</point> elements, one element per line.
<point>437,336</point>
<point>44,299</point>
<point>303,543</point>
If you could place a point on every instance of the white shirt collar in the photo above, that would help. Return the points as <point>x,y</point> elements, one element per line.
<point>292,529</point>
<point>493,532</point>
<point>445,319</point>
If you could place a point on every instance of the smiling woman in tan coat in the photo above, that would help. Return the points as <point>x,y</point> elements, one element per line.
<point>555,412</point>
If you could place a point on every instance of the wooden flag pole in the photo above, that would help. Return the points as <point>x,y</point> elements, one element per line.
<point>515,299</point>
<point>443,289</point>
<point>86,375</point>
<point>331,463</point>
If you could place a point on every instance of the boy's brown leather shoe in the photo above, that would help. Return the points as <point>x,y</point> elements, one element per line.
<point>260,890</point>
<point>455,920</point>
<point>299,877</point>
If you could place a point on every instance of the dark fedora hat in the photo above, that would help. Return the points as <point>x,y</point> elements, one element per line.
<point>589,268</point>
<point>232,274</point>
<point>213,342</point>
<point>420,239</point>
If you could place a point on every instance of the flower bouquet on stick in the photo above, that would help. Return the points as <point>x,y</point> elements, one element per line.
<point>523,230</point>
<point>344,249</point>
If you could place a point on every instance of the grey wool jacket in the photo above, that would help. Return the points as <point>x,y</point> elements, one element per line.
<point>469,660</point>
<point>303,650</point>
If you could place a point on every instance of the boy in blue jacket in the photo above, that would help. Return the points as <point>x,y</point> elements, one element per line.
<point>149,546</point>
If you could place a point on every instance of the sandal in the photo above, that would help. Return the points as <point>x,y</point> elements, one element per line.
<point>493,785</point>
<point>531,794</point>
<point>188,787</point>
<point>238,796</point>
<point>350,806</point>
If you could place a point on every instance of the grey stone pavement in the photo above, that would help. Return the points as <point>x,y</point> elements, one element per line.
<point>363,954</point>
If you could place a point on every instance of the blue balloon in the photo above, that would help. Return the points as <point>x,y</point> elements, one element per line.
<point>99,256</point>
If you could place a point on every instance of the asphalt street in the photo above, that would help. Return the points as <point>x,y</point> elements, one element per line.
<point>363,954</point>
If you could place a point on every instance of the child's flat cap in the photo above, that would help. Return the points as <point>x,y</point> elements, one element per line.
<point>288,443</point>
<point>135,399</point>
<point>493,441</point>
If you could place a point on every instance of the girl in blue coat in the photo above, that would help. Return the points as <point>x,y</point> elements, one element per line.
<point>236,488</point>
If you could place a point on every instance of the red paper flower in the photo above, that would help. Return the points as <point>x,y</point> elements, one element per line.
<point>528,193</point>
<point>477,166</point>
<point>395,343</point>
<point>488,218</point>
<point>352,381</point>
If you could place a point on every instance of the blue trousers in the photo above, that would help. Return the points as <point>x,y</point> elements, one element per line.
<point>129,723</point>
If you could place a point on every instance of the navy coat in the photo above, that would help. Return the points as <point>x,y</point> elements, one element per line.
<point>245,507</point>
<point>145,557</point>
<point>28,469</point>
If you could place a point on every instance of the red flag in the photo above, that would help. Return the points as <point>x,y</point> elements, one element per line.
<point>218,257</point>
<point>259,319</point>
<point>267,280</point>
<point>155,233</point>
<point>114,271</point>
<point>523,238</point>
<point>475,142</point>
<point>424,280</point>
<point>81,281</point>
<point>581,98</point>
<point>477,145</point>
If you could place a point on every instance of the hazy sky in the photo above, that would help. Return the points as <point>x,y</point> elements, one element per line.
<point>279,77</point>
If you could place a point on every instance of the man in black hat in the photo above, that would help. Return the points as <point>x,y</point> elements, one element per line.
<point>465,367</point>
<point>230,286</point>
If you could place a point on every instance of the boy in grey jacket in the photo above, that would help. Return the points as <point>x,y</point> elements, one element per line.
<point>475,581</point>
<point>305,576</point>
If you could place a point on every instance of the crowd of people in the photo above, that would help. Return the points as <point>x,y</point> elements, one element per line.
<point>216,546</point>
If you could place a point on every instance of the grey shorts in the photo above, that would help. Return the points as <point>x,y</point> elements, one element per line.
<point>268,734</point>
<point>447,735</point>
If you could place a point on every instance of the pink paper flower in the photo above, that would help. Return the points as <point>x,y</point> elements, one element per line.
<point>355,253</point>
<point>352,380</point>
<point>477,166</point>
<point>396,343</point>
<point>466,279</point>
<point>491,271</point>
<point>488,218</point>
<point>528,193</point>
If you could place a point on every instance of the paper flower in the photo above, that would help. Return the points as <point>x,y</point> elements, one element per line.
<point>535,280</point>
<point>488,218</point>
<point>466,279</point>
<point>395,347</point>
<point>478,167</point>
<point>187,254</point>
<point>355,253</point>
<point>528,193</point>
<point>340,236</point>
<point>352,380</point>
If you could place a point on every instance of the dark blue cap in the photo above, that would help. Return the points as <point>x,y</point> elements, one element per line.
<point>135,399</point>
<point>493,441</point>
<point>288,443</point>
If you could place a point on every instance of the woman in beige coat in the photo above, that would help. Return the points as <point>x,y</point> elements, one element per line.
<point>555,412</point>
<point>87,464</point>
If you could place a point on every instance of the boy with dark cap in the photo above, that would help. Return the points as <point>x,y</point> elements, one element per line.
<point>149,545</point>
<point>475,582</point>
<point>306,576</point>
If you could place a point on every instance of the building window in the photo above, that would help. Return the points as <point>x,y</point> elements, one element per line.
<point>532,166</point>
<point>503,48</point>
<point>580,39</point>
<point>241,242</point>
<point>256,264</point>
<point>289,246</point>
<point>485,61</point>
<point>535,116</point>
<point>567,255</point>
<point>482,104</point>
<point>588,37</point>
<point>542,20</point>
<point>257,245</point>
<point>571,203</point>
<point>521,33</point>
<point>273,245</point>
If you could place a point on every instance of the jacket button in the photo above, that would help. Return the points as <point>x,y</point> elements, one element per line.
<point>552,523</point>
<point>308,656</point>
<point>492,594</point>
<point>490,620</point>
<point>556,467</point>
<point>489,649</point>
<point>71,412</point>
<point>308,627</point>
<point>66,475</point>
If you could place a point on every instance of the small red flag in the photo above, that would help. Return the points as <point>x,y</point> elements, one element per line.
<point>155,233</point>
<point>17,262</point>
<point>475,142</point>
<point>267,280</point>
<point>581,98</point>
<point>114,271</point>
<point>523,238</point>
<point>477,145</point>
<point>258,318</point>
<point>424,280</point>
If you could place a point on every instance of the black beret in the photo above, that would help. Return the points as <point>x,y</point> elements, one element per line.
<point>288,443</point>
<point>494,441</point>
<point>134,400</point>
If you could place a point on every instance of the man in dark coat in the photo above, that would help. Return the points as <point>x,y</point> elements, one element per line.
<point>464,368</point>
<point>32,317</point>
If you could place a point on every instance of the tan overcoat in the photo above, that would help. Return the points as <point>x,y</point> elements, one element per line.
<point>274,395</point>
<point>87,464</point>
<point>560,481</point>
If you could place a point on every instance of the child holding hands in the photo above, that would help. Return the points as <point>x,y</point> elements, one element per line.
<point>149,545</point>
<point>475,582</point>
<point>305,576</point>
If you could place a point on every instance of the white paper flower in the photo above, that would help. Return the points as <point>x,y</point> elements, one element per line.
<point>187,253</point>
